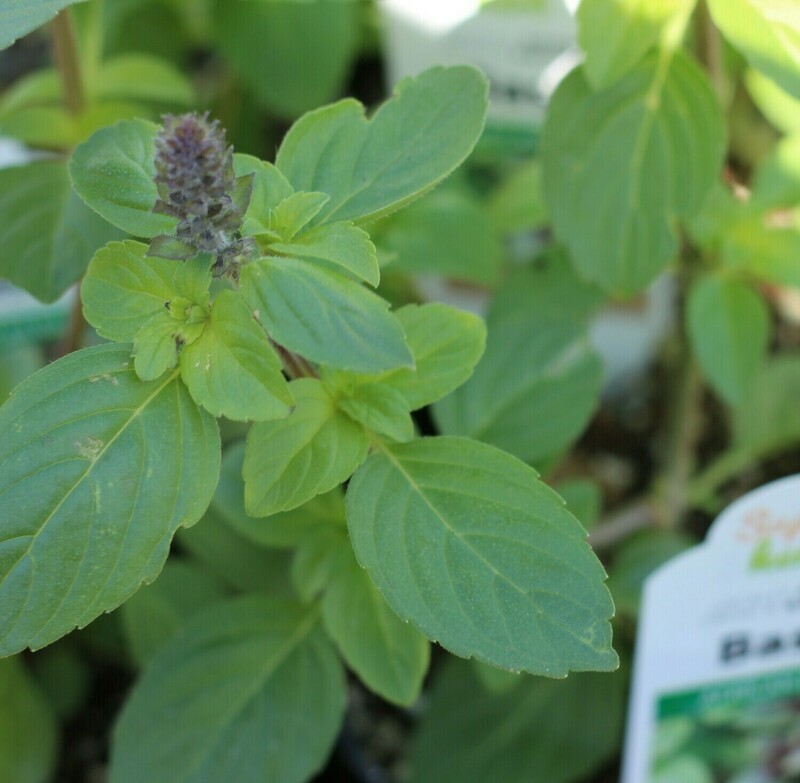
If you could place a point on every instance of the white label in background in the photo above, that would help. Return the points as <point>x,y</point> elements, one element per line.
<point>716,686</point>
<point>525,53</point>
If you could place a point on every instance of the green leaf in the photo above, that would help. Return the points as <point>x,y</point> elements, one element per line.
<point>47,233</point>
<point>234,559</point>
<point>284,530</point>
<point>777,180</point>
<point>390,656</point>
<point>155,348</point>
<point>780,108</point>
<point>156,613</point>
<point>324,316</point>
<point>373,167</point>
<point>769,421</point>
<point>446,343</point>
<point>270,188</point>
<point>381,409</point>
<point>464,541</point>
<point>142,77</point>
<point>684,769</point>
<point>622,163</point>
<point>636,559</point>
<point>296,212</point>
<point>124,288</point>
<point>341,244</point>
<point>113,172</point>
<point>250,691</point>
<point>728,325</point>
<point>231,369</point>
<point>447,233</point>
<point>20,17</point>
<point>541,730</point>
<point>616,35</point>
<point>767,32</point>
<point>292,56</point>
<point>314,449</point>
<point>538,382</point>
<point>28,730</point>
<point>17,362</point>
<point>316,558</point>
<point>97,471</point>
<point>517,203</point>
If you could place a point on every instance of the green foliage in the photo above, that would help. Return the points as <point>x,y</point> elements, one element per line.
<point>28,739</point>
<point>353,329</point>
<point>254,674</point>
<point>102,523</point>
<point>767,32</point>
<point>622,163</point>
<point>114,173</point>
<point>18,17</point>
<point>316,448</point>
<point>616,35</point>
<point>464,541</point>
<point>728,325</point>
<point>48,233</point>
<point>231,369</point>
<point>157,612</point>
<point>538,730</point>
<point>268,45</point>
<point>539,380</point>
<point>372,167</point>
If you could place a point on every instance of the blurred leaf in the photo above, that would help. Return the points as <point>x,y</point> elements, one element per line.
<point>684,769</point>
<point>48,234</point>
<point>234,559</point>
<point>635,560</point>
<point>728,325</point>
<point>17,362</point>
<point>447,234</point>
<point>777,105</point>
<point>28,730</point>
<point>142,77</point>
<point>20,17</point>
<point>64,676</point>
<point>539,380</point>
<point>294,56</point>
<point>616,35</point>
<point>251,690</point>
<point>622,163</point>
<point>517,203</point>
<point>559,731</point>
<point>771,418</point>
<point>767,33</point>
<point>155,613</point>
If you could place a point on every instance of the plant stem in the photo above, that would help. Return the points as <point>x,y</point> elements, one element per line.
<point>709,49</point>
<point>639,515</point>
<point>65,51</point>
<point>72,340</point>
<point>684,432</point>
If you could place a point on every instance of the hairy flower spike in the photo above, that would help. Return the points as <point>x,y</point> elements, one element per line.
<point>197,185</point>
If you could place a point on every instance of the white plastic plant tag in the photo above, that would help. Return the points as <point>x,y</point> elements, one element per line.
<point>525,48</point>
<point>716,686</point>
